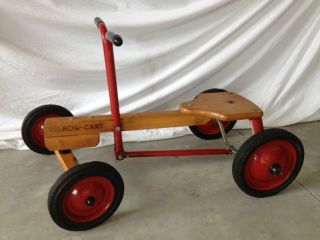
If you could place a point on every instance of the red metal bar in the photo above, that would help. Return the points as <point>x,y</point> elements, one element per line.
<point>113,92</point>
<point>256,125</point>
<point>192,152</point>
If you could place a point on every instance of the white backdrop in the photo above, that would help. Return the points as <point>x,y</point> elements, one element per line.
<point>50,52</point>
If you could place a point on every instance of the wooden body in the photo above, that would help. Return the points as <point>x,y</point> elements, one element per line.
<point>77,132</point>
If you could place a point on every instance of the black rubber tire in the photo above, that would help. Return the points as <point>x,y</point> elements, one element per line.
<point>196,131</point>
<point>249,147</point>
<point>32,117</point>
<point>71,177</point>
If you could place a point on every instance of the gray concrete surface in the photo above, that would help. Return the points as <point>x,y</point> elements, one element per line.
<point>167,198</point>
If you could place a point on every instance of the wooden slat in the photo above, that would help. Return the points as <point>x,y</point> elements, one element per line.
<point>66,159</point>
<point>225,106</point>
<point>73,126</point>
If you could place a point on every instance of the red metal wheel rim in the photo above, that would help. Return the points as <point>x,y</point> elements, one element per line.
<point>212,127</point>
<point>273,153</point>
<point>37,130</point>
<point>75,203</point>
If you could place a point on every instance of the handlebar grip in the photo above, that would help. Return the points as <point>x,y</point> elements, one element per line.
<point>115,39</point>
<point>97,20</point>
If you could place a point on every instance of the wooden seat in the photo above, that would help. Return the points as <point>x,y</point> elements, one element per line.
<point>224,106</point>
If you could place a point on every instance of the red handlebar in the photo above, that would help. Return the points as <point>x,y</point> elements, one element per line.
<point>112,84</point>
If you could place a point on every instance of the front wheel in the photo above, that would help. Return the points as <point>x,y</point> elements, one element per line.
<point>268,162</point>
<point>85,196</point>
<point>32,129</point>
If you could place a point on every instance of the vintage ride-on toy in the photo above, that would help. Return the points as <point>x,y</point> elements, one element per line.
<point>86,195</point>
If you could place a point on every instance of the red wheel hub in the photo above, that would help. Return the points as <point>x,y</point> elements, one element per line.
<point>88,199</point>
<point>270,165</point>
<point>37,130</point>
<point>212,127</point>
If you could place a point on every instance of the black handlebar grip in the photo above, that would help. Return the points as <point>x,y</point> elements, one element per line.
<point>115,39</point>
<point>97,20</point>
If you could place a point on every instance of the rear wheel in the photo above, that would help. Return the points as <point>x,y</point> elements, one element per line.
<point>268,162</point>
<point>211,129</point>
<point>85,196</point>
<point>32,128</point>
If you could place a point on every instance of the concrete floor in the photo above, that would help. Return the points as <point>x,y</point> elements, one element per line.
<point>167,198</point>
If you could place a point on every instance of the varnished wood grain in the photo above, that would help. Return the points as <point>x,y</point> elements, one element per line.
<point>224,106</point>
<point>78,132</point>
<point>72,142</point>
<point>72,126</point>
<point>66,159</point>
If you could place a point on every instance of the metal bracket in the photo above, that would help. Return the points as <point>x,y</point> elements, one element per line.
<point>232,149</point>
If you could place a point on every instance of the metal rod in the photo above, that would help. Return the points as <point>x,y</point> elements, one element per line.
<point>192,152</point>
<point>113,91</point>
<point>230,147</point>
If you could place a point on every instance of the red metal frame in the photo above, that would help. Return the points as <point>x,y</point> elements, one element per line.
<point>256,125</point>
<point>120,154</point>
<point>188,152</point>
<point>113,91</point>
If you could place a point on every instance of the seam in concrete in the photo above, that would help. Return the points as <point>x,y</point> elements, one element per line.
<point>241,134</point>
<point>313,194</point>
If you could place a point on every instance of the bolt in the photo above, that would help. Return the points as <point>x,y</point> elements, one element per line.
<point>232,150</point>
<point>90,201</point>
<point>118,129</point>
<point>275,169</point>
